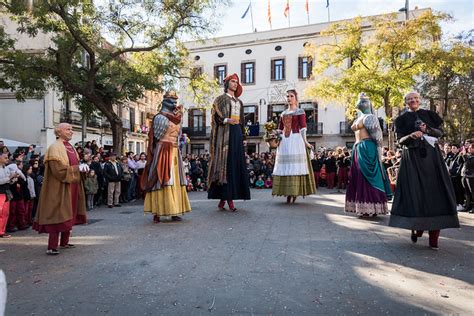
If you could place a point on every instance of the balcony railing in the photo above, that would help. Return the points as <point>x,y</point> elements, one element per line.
<point>314,128</point>
<point>345,128</point>
<point>196,131</point>
<point>253,130</point>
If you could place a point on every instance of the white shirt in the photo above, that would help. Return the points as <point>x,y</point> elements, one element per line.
<point>4,175</point>
<point>234,107</point>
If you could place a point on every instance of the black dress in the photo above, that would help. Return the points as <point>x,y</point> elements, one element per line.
<point>237,186</point>
<point>424,196</point>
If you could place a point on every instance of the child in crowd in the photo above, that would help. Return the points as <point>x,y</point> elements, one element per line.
<point>260,183</point>
<point>200,186</point>
<point>17,219</point>
<point>189,186</point>
<point>29,199</point>
<point>91,186</point>
<point>252,179</point>
<point>268,183</point>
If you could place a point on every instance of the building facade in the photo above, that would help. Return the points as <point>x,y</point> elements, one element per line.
<point>33,121</point>
<point>268,63</point>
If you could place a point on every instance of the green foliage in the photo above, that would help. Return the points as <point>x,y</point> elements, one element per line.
<point>449,83</point>
<point>384,59</point>
<point>102,55</point>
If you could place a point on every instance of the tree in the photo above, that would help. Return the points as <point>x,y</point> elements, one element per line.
<point>103,55</point>
<point>381,61</point>
<point>449,83</point>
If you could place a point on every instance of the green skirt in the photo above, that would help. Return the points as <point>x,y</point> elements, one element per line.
<point>301,185</point>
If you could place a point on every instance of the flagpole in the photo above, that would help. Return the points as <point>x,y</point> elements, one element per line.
<point>251,15</point>
<point>329,15</point>
<point>307,10</point>
<point>289,24</point>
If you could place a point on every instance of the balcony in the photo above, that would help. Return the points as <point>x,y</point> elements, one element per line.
<point>345,128</point>
<point>71,117</point>
<point>139,129</point>
<point>198,131</point>
<point>75,118</point>
<point>314,128</point>
<point>253,130</point>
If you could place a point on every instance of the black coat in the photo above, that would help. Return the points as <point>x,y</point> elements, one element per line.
<point>424,195</point>
<point>110,174</point>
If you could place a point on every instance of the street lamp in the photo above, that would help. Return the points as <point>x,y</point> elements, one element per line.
<point>406,9</point>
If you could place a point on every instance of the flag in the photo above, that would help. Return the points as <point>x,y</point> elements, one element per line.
<point>327,3</point>
<point>269,14</point>
<point>246,11</point>
<point>307,7</point>
<point>287,8</point>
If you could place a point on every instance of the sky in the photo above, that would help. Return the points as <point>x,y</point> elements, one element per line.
<point>461,10</point>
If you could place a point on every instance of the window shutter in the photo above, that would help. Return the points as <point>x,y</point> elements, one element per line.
<point>310,66</point>
<point>300,67</point>
<point>272,70</point>
<point>216,74</point>
<point>253,72</point>
<point>242,73</point>
<point>225,72</point>
<point>204,111</point>
<point>191,119</point>
<point>283,69</point>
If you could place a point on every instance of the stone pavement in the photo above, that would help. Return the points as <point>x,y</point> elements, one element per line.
<point>269,258</point>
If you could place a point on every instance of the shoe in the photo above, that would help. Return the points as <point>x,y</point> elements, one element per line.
<point>156,219</point>
<point>52,252</point>
<point>471,212</point>
<point>288,199</point>
<point>221,205</point>
<point>5,236</point>
<point>434,247</point>
<point>117,205</point>
<point>110,206</point>
<point>459,208</point>
<point>176,219</point>
<point>68,246</point>
<point>294,199</point>
<point>231,205</point>
<point>413,237</point>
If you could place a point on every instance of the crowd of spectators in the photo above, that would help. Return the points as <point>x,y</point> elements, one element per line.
<point>114,180</point>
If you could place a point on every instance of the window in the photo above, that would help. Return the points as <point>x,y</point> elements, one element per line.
<point>274,111</point>
<point>139,150</point>
<point>196,72</point>
<point>197,120</point>
<point>311,111</point>
<point>197,149</point>
<point>132,116</point>
<point>250,114</point>
<point>305,67</point>
<point>247,72</point>
<point>278,70</point>
<point>251,148</point>
<point>220,72</point>
<point>142,118</point>
<point>130,146</point>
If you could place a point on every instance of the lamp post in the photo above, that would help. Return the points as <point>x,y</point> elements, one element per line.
<point>406,9</point>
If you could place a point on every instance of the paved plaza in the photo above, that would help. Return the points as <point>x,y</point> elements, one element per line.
<point>269,258</point>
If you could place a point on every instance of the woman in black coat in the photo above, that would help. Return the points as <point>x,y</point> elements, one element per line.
<point>424,196</point>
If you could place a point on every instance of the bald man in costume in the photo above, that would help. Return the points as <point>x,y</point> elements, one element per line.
<point>62,200</point>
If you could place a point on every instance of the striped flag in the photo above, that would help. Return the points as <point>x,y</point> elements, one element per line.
<point>269,14</point>
<point>306,7</point>
<point>287,8</point>
<point>327,3</point>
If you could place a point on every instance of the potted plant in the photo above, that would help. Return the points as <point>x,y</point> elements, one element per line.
<point>271,136</point>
